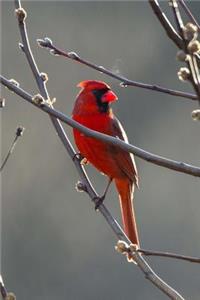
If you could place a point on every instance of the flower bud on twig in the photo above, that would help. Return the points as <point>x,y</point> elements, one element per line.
<point>44,43</point>
<point>44,76</point>
<point>38,99</point>
<point>10,296</point>
<point>14,82</point>
<point>181,56</point>
<point>183,74</point>
<point>21,14</point>
<point>196,115</point>
<point>21,46</point>
<point>191,27</point>
<point>20,130</point>
<point>122,247</point>
<point>81,187</point>
<point>73,55</point>
<point>190,31</point>
<point>194,46</point>
<point>123,84</point>
<point>54,52</point>
<point>133,247</point>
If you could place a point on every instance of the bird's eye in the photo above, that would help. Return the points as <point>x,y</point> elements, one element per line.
<point>99,93</point>
<point>103,107</point>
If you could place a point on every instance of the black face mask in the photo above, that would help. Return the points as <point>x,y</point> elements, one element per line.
<point>103,106</point>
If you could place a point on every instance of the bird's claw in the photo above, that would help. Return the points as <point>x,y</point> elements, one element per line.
<point>81,158</point>
<point>77,155</point>
<point>98,201</point>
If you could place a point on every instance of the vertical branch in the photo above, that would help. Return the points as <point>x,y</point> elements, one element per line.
<point>186,43</point>
<point>191,61</point>
<point>25,47</point>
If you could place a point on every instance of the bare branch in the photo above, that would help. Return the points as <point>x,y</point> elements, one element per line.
<point>25,46</point>
<point>191,62</point>
<point>170,31</point>
<point>180,41</point>
<point>189,13</point>
<point>40,79</point>
<point>155,159</point>
<point>169,255</point>
<point>19,132</point>
<point>47,43</point>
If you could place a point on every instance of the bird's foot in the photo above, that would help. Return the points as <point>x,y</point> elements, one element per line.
<point>98,201</point>
<point>81,158</point>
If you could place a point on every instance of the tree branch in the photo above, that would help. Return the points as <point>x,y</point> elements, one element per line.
<point>19,132</point>
<point>47,43</point>
<point>180,41</point>
<point>153,158</point>
<point>189,13</point>
<point>169,255</point>
<point>191,62</point>
<point>170,31</point>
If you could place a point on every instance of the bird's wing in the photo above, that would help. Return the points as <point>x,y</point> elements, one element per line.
<point>123,159</point>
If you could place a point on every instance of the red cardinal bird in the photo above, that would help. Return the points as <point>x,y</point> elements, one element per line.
<point>92,109</point>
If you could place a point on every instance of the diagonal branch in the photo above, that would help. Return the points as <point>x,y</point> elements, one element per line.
<point>47,43</point>
<point>153,158</point>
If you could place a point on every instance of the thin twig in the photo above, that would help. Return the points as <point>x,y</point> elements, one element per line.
<point>25,47</point>
<point>170,31</point>
<point>191,62</point>
<point>150,157</point>
<point>19,132</point>
<point>189,13</point>
<point>46,43</point>
<point>169,255</point>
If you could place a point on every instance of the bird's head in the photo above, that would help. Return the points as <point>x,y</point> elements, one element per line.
<point>95,96</point>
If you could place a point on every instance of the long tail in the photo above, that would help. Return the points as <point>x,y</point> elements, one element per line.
<point>126,188</point>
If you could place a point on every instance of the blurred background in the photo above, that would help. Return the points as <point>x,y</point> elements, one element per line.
<point>54,244</point>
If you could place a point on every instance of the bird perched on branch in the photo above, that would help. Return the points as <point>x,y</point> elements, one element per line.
<point>92,109</point>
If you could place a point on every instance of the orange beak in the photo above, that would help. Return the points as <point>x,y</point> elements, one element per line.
<point>109,96</point>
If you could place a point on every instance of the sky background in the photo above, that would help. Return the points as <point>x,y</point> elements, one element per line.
<point>54,245</point>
